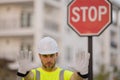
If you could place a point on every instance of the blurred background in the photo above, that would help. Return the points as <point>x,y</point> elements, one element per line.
<point>24,22</point>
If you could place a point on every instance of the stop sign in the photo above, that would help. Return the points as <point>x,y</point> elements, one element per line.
<point>89,17</point>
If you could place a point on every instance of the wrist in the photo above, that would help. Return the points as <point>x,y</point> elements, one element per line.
<point>21,74</point>
<point>84,70</point>
<point>83,75</point>
<point>21,70</point>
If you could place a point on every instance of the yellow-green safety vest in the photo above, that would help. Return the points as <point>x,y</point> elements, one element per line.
<point>58,74</point>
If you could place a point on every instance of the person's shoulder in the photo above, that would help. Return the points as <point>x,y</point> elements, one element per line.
<point>67,73</point>
<point>67,70</point>
<point>34,69</point>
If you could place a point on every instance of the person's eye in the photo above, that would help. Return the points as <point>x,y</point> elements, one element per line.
<point>44,56</point>
<point>52,55</point>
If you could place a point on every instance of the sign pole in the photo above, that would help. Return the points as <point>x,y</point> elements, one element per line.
<point>90,46</point>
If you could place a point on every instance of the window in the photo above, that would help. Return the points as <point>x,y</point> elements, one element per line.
<point>113,39</point>
<point>49,25</point>
<point>113,59</point>
<point>26,17</point>
<point>51,11</point>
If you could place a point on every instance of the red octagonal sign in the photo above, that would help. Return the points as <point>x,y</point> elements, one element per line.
<point>89,17</point>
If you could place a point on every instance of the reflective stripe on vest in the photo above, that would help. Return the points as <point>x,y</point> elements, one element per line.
<point>61,75</point>
<point>37,75</point>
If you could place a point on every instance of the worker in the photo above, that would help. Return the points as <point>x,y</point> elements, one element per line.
<point>48,53</point>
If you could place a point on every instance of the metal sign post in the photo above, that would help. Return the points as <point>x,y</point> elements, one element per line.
<point>90,50</point>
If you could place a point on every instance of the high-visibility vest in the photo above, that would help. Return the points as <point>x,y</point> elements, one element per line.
<point>58,74</point>
<point>61,75</point>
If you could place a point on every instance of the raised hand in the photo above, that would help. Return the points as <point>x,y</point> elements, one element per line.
<point>25,61</point>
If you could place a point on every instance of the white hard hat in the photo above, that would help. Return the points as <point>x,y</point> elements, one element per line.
<point>47,45</point>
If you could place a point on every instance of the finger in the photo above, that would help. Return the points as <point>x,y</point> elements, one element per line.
<point>18,56</point>
<point>82,55</point>
<point>79,55</point>
<point>30,55</point>
<point>21,55</point>
<point>26,53</point>
<point>82,58</point>
<point>87,56</point>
